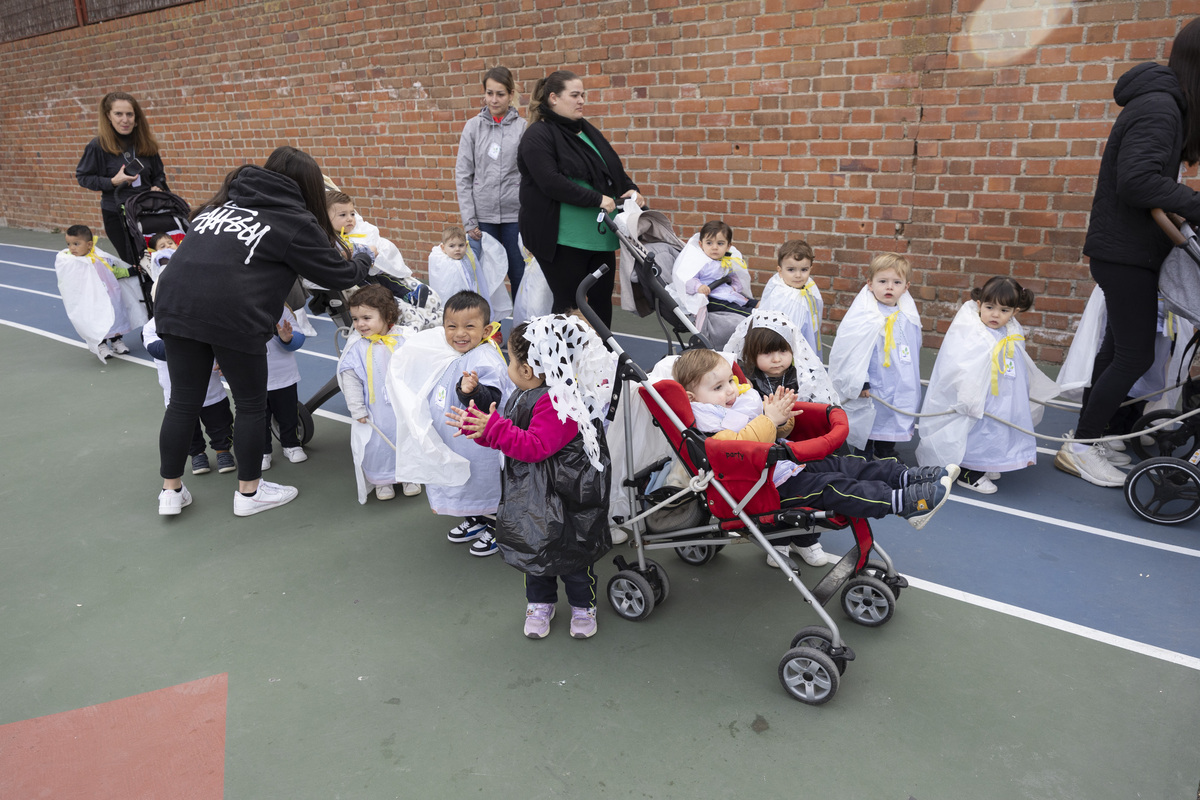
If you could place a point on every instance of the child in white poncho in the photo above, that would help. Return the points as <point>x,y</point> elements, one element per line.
<point>877,352</point>
<point>792,292</point>
<point>982,367</point>
<point>101,300</point>
<point>453,268</point>
<point>710,281</point>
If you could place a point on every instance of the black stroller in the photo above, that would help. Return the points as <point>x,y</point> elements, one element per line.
<point>148,214</point>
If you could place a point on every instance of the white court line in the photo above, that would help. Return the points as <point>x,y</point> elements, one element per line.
<point>1076,526</point>
<point>26,266</point>
<point>30,291</point>
<point>1191,662</point>
<point>29,247</point>
<point>1141,648</point>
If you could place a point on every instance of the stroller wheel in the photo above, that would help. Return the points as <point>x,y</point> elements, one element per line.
<point>877,569</point>
<point>1164,490</point>
<point>630,595</point>
<point>304,425</point>
<point>868,601</point>
<point>809,675</point>
<point>1178,440</point>
<point>660,584</point>
<point>698,554</point>
<point>820,638</point>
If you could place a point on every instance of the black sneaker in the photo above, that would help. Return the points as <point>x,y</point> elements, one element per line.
<point>466,531</point>
<point>931,474</point>
<point>225,462</point>
<point>200,464</point>
<point>485,545</point>
<point>922,500</point>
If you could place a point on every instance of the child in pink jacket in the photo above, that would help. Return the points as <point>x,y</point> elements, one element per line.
<point>552,523</point>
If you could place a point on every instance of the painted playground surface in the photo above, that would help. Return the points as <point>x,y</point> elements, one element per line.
<point>1049,645</point>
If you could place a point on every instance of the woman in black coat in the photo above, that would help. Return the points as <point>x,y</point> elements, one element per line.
<point>221,298</point>
<point>122,160</point>
<point>1157,129</point>
<point>569,172</point>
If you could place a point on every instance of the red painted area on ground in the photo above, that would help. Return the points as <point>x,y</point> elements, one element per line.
<point>165,743</point>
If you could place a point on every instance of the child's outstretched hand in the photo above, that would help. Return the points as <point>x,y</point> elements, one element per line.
<point>470,421</point>
<point>284,331</point>
<point>470,382</point>
<point>778,406</point>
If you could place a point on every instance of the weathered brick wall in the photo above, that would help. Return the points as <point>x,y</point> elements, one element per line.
<point>966,134</point>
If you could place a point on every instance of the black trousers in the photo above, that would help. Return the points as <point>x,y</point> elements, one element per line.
<point>118,234</point>
<point>579,585</point>
<point>849,485</point>
<point>568,270</point>
<point>218,421</point>
<point>281,404</point>
<point>1131,300</point>
<point>189,363</point>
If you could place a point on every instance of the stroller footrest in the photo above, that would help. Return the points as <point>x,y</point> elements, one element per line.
<point>842,571</point>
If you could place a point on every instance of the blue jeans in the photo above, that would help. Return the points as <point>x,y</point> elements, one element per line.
<point>506,233</point>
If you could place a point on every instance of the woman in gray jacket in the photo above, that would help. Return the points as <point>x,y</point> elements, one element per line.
<point>486,172</point>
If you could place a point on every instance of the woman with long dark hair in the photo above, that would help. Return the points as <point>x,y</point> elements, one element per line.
<point>1157,130</point>
<point>220,297</point>
<point>569,172</point>
<point>122,159</point>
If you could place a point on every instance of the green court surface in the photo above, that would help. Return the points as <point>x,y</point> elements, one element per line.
<point>367,657</point>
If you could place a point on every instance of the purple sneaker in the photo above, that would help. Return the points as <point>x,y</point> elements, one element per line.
<point>583,622</point>
<point>537,619</point>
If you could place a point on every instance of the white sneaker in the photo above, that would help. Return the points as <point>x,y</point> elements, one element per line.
<point>171,502</point>
<point>410,489</point>
<point>1091,465</point>
<point>295,454</point>
<point>771,561</point>
<point>384,492</point>
<point>103,352</point>
<point>993,476</point>
<point>619,536</point>
<point>814,555</point>
<point>266,464</point>
<point>1112,456</point>
<point>1118,445</point>
<point>983,485</point>
<point>119,347</point>
<point>269,495</point>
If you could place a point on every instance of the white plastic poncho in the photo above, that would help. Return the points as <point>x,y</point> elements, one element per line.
<point>862,341</point>
<point>813,384</point>
<point>374,459</point>
<point>982,370</point>
<point>804,307</point>
<point>282,369</point>
<point>578,370</point>
<point>216,389</point>
<point>649,443</point>
<point>689,264</point>
<point>484,276</point>
<point>534,298</point>
<point>461,478</point>
<point>387,256</point>
<point>1167,370</point>
<point>99,305</point>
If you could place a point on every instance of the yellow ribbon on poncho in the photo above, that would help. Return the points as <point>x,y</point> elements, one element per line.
<point>346,237</point>
<point>1004,349</point>
<point>889,337</point>
<point>812,310</point>
<point>372,340</point>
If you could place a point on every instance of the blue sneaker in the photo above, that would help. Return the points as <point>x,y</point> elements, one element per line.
<point>225,462</point>
<point>200,465</point>
<point>466,531</point>
<point>485,545</point>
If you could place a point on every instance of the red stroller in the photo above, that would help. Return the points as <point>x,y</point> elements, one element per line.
<point>731,481</point>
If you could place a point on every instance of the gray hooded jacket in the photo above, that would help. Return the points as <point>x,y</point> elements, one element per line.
<point>486,171</point>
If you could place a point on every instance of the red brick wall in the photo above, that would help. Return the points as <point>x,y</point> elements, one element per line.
<point>964,134</point>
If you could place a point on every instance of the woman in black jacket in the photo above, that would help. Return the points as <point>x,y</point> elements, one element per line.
<point>123,159</point>
<point>569,172</point>
<point>220,299</point>
<point>1157,129</point>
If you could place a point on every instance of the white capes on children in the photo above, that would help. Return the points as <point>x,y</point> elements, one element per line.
<point>98,304</point>
<point>461,478</point>
<point>812,381</point>
<point>282,369</point>
<point>861,332</point>
<point>649,443</point>
<point>387,255</point>
<point>216,389</point>
<point>691,260</point>
<point>534,298</point>
<point>374,459</point>
<point>973,360</point>
<point>804,307</point>
<point>486,276</point>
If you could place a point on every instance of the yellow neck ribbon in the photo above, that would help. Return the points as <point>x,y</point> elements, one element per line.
<point>729,263</point>
<point>1004,349</point>
<point>376,338</point>
<point>91,254</point>
<point>489,332</point>
<point>811,299</point>
<point>889,337</point>
<point>346,237</point>
<point>1169,325</point>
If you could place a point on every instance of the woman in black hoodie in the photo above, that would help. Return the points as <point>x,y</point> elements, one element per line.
<point>221,297</point>
<point>1157,129</point>
<point>569,172</point>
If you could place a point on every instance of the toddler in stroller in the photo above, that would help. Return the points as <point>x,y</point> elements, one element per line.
<point>711,282</point>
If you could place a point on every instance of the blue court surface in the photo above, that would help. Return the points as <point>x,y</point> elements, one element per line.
<point>1047,549</point>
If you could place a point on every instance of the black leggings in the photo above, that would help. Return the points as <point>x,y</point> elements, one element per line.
<point>568,270</point>
<point>1131,300</point>
<point>118,234</point>
<point>281,404</point>
<point>190,363</point>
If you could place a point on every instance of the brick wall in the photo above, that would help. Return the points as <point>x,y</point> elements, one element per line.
<point>966,134</point>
